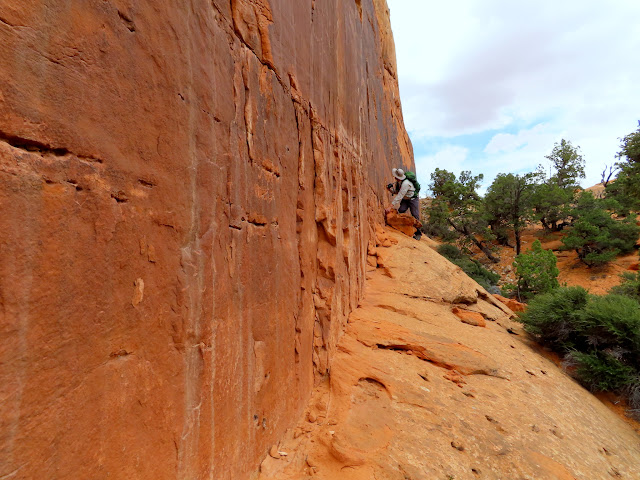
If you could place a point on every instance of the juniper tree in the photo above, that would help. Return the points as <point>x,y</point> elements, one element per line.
<point>551,205</point>
<point>568,164</point>
<point>509,203</point>
<point>536,272</point>
<point>596,237</point>
<point>458,205</point>
<point>552,197</point>
<point>626,188</point>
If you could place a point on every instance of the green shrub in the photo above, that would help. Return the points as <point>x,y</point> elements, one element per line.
<point>552,317</point>
<point>626,188</point>
<point>612,322</point>
<point>438,230</point>
<point>474,269</point>
<point>630,286</point>
<point>624,234</point>
<point>486,278</point>
<point>633,395</point>
<point>601,371</point>
<point>450,251</point>
<point>600,335</point>
<point>596,237</point>
<point>536,272</point>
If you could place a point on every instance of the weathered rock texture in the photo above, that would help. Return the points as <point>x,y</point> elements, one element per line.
<point>415,393</point>
<point>511,303</point>
<point>187,194</point>
<point>403,222</point>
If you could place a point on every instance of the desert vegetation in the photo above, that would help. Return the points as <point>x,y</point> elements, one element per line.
<point>598,336</point>
<point>597,229</point>
<point>536,272</point>
<point>473,268</point>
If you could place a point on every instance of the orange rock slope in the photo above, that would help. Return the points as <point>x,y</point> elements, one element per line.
<point>416,393</point>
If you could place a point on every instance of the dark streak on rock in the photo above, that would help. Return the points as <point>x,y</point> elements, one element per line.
<point>119,197</point>
<point>127,21</point>
<point>34,146</point>
<point>120,353</point>
<point>146,183</point>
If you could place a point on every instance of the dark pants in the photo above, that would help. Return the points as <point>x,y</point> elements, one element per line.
<point>412,204</point>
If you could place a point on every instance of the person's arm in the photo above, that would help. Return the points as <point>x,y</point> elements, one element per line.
<point>404,188</point>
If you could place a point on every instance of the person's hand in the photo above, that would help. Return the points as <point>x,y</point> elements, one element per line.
<point>388,210</point>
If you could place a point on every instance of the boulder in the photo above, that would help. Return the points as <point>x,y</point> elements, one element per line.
<point>403,222</point>
<point>472,318</point>
<point>514,305</point>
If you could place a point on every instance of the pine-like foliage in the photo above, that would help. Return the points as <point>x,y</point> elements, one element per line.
<point>596,237</point>
<point>536,272</point>
<point>552,317</point>
<point>630,286</point>
<point>471,267</point>
<point>458,207</point>
<point>599,335</point>
<point>626,188</point>
<point>602,372</point>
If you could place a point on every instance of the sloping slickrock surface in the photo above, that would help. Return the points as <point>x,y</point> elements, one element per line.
<point>415,393</point>
<point>187,194</point>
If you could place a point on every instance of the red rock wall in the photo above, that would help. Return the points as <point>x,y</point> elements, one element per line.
<point>187,190</point>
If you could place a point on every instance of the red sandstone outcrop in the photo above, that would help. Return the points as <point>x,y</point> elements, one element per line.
<point>188,192</point>
<point>512,304</point>
<point>404,222</point>
<point>468,317</point>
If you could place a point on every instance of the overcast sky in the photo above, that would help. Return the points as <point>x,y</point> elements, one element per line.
<point>490,85</point>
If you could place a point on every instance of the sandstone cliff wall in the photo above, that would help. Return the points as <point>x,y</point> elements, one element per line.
<point>187,191</point>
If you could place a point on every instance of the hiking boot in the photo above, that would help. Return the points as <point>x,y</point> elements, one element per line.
<point>417,236</point>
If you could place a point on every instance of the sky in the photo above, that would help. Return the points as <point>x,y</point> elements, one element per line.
<point>491,85</point>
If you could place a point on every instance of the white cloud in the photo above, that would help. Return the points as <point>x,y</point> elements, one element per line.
<point>472,66</point>
<point>536,137</point>
<point>449,157</point>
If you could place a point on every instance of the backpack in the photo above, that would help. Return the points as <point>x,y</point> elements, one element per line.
<point>413,179</point>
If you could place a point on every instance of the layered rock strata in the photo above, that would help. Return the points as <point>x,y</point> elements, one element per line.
<point>188,190</point>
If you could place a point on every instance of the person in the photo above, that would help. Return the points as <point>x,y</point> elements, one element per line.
<point>405,198</point>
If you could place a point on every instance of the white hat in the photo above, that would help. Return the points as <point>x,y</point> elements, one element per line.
<point>398,173</point>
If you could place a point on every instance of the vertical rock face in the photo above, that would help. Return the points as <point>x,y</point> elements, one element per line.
<point>187,191</point>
